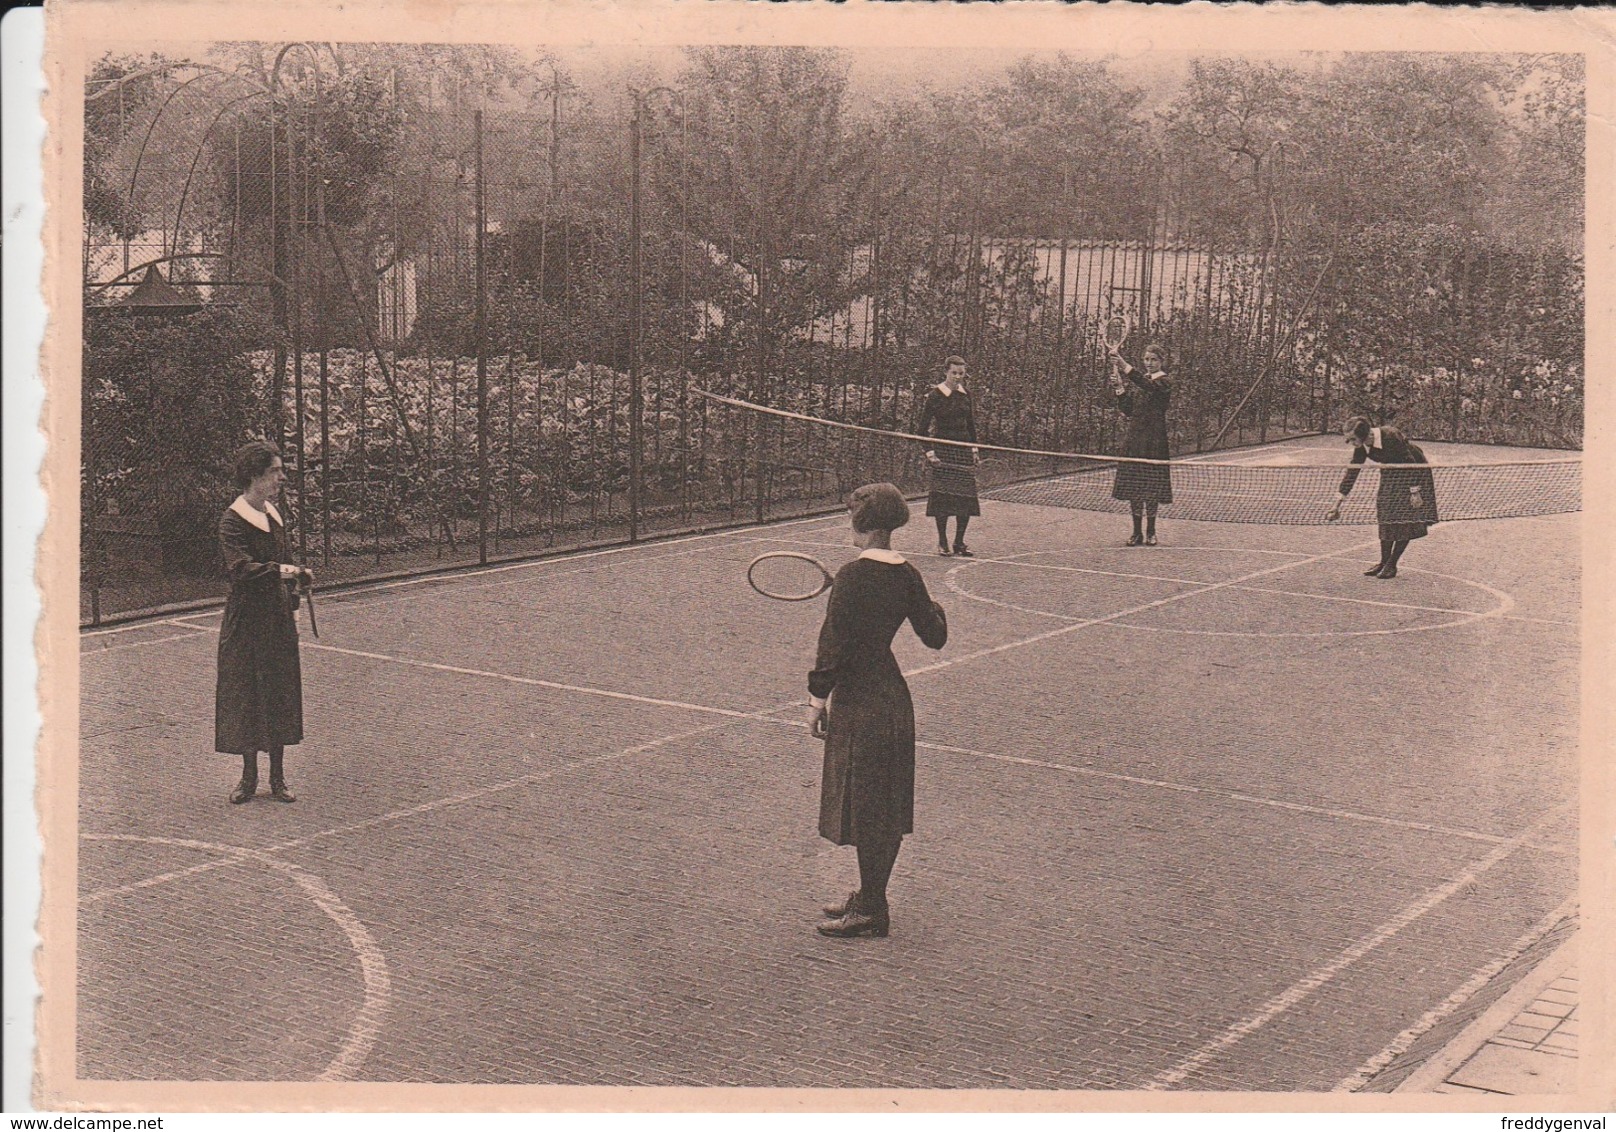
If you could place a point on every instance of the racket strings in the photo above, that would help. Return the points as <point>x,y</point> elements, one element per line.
<point>788,576</point>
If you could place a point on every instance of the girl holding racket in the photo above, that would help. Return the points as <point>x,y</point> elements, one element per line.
<point>949,415</point>
<point>1144,486</point>
<point>259,695</point>
<point>860,706</point>
<point>1405,502</point>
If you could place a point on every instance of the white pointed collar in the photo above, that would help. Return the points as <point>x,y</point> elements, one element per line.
<point>942,387</point>
<point>253,515</point>
<point>876,554</point>
<point>1159,373</point>
<point>1374,438</point>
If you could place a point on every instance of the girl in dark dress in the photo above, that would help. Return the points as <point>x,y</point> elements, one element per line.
<point>867,795</point>
<point>259,700</point>
<point>949,412</point>
<point>1405,502</point>
<point>1144,486</point>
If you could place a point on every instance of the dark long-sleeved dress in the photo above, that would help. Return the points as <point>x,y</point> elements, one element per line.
<point>1405,502</point>
<point>951,416</point>
<point>1146,408</point>
<point>259,700</point>
<point>867,794</point>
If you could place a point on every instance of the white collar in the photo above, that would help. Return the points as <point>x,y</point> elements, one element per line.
<point>1374,438</point>
<point>942,387</point>
<point>253,515</point>
<point>1159,373</point>
<point>876,554</point>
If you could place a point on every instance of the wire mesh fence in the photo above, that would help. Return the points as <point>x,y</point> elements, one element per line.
<point>475,319</point>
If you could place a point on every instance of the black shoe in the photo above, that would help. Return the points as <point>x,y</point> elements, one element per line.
<point>962,551</point>
<point>942,548</point>
<point>856,923</point>
<point>244,791</point>
<point>279,792</point>
<point>1387,572</point>
<point>1135,540</point>
<point>1374,571</point>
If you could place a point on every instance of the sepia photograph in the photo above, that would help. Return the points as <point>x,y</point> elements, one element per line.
<point>989,559</point>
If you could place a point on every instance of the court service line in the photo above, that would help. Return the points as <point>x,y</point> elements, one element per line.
<point>345,597</point>
<point>1158,603</point>
<point>563,557</point>
<point>367,1023</point>
<point>101,894</point>
<point>1227,795</point>
<point>766,715</point>
<point>531,681</point>
<point>1235,796</point>
<point>480,587</point>
<point>1298,992</point>
<point>1427,1021</point>
<point>195,631</point>
<point>1463,616</point>
<point>523,780</point>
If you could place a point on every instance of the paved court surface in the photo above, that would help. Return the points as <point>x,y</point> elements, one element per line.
<point>1221,814</point>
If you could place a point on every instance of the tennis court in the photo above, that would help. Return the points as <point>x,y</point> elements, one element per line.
<point>1218,814</point>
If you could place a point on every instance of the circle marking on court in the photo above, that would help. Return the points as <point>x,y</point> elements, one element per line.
<point>1504,602</point>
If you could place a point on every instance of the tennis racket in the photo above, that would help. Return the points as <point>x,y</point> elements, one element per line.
<point>307,586</point>
<point>1114,332</point>
<point>786,575</point>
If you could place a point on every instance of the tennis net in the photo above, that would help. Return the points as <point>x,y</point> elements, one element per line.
<point>795,456</point>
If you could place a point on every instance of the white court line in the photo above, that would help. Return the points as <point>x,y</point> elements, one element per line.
<point>1371,601</point>
<point>531,681</point>
<point>1227,795</point>
<point>425,807</point>
<point>180,619</point>
<point>197,632</point>
<point>367,1022</point>
<point>562,558</point>
<point>101,894</point>
<point>343,597</point>
<point>983,560</point>
<point>1506,601</point>
<point>1291,445</point>
<point>1427,1021</point>
<point>1304,988</point>
<point>1064,629</point>
<point>1084,570</point>
<point>1540,620</point>
<point>452,575</point>
<point>1235,796</point>
<point>524,780</point>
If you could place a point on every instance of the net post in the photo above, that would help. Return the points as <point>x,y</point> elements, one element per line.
<point>482,346</point>
<point>635,393</point>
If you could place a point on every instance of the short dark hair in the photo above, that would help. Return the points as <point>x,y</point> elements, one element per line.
<point>253,460</point>
<point>953,361</point>
<point>1357,427</point>
<point>878,507</point>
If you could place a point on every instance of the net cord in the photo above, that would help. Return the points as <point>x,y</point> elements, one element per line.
<point>1108,459</point>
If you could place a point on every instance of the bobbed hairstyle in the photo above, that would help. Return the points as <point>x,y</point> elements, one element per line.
<point>1357,428</point>
<point>877,507</point>
<point>253,460</point>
